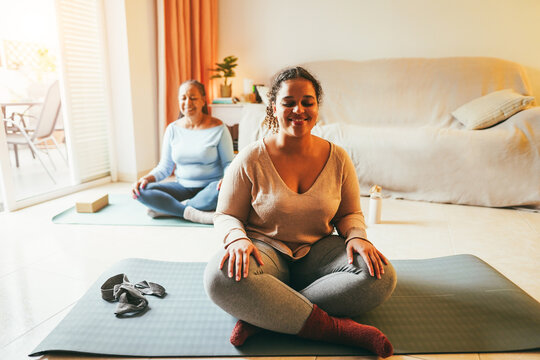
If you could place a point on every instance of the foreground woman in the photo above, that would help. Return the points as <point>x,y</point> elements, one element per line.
<point>200,147</point>
<point>282,197</point>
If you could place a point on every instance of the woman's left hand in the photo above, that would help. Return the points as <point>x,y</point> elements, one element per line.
<point>373,257</point>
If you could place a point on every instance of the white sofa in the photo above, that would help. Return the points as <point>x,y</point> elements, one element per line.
<point>393,117</point>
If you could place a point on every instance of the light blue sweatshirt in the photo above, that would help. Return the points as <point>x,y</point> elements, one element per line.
<point>200,156</point>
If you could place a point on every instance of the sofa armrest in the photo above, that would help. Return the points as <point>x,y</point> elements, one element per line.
<point>530,114</point>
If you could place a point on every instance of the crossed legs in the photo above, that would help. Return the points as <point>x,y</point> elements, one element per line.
<point>280,295</point>
<point>167,197</point>
<point>346,290</point>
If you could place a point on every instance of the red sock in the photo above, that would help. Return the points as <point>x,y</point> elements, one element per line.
<point>321,326</point>
<point>243,330</point>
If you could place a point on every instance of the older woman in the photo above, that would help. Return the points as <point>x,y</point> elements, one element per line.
<point>200,147</point>
<point>280,201</point>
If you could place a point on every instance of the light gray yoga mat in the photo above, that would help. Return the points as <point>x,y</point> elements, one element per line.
<point>122,210</point>
<point>451,304</point>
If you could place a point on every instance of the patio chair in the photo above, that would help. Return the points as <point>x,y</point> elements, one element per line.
<point>43,131</point>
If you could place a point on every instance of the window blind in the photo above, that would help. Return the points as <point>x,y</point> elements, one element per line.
<point>85,98</point>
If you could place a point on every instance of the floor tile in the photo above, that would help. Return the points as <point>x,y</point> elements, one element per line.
<point>447,356</point>
<point>74,266</point>
<point>22,246</point>
<point>20,347</point>
<point>30,297</point>
<point>411,230</point>
<point>353,358</point>
<point>533,219</point>
<point>511,356</point>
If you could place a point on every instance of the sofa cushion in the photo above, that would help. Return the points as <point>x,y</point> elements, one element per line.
<point>491,109</point>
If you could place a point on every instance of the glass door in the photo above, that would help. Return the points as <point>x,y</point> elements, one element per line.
<point>53,71</point>
<point>7,200</point>
<point>33,141</point>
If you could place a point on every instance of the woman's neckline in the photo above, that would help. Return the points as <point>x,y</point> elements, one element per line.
<point>191,129</point>
<point>269,159</point>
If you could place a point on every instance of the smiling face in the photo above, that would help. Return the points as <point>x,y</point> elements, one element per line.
<point>296,107</point>
<point>190,100</point>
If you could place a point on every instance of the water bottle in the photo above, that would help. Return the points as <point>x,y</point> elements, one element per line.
<point>375,205</point>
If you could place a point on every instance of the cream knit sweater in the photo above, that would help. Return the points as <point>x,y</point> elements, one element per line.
<point>255,203</point>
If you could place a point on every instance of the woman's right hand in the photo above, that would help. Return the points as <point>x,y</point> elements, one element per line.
<point>238,254</point>
<point>141,184</point>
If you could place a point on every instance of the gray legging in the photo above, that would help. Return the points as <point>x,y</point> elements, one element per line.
<point>279,295</point>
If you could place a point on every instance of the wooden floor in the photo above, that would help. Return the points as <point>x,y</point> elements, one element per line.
<point>45,268</point>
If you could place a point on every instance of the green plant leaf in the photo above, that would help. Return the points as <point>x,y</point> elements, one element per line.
<point>225,69</point>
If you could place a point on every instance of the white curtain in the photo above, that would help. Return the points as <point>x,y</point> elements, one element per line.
<point>86,90</point>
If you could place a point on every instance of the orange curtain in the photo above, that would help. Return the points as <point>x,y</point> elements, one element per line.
<point>190,47</point>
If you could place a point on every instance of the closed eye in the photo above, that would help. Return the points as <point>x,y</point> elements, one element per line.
<point>293,104</point>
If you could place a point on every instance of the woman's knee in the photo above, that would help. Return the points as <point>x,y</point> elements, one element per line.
<point>148,190</point>
<point>388,286</point>
<point>377,291</point>
<point>352,291</point>
<point>206,199</point>
<point>215,279</point>
<point>145,194</point>
<point>221,288</point>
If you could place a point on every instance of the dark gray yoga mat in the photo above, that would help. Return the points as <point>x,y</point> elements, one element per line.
<point>451,304</point>
<point>122,210</point>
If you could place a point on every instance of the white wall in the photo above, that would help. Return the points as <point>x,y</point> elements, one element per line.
<point>124,143</point>
<point>131,29</point>
<point>142,45</point>
<point>269,35</point>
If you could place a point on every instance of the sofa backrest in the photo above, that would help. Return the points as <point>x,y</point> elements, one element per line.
<point>410,91</point>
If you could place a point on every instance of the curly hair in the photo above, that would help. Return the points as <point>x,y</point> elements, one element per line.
<point>296,72</point>
<point>201,89</point>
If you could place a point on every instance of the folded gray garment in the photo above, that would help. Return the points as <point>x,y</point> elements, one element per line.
<point>130,297</point>
<point>150,288</point>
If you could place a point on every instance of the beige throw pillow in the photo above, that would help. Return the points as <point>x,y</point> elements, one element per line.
<point>491,109</point>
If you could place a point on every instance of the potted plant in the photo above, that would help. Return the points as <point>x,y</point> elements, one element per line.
<point>225,70</point>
